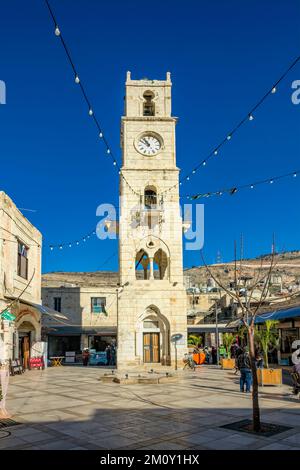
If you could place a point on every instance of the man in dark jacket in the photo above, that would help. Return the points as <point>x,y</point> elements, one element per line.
<point>244,366</point>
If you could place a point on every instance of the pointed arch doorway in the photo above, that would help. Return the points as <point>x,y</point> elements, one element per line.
<point>153,337</point>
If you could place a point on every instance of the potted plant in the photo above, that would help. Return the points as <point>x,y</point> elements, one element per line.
<point>228,362</point>
<point>267,337</point>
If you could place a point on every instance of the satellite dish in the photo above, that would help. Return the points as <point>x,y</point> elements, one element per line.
<point>175,338</point>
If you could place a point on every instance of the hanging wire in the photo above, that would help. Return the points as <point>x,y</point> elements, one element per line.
<point>235,189</point>
<point>249,116</point>
<point>90,108</point>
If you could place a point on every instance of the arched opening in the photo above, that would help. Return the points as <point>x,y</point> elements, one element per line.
<point>150,197</point>
<point>148,105</point>
<point>142,265</point>
<point>153,337</point>
<point>26,337</point>
<point>160,265</point>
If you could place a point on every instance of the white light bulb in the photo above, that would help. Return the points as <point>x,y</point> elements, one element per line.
<point>294,175</point>
<point>204,163</point>
<point>216,152</point>
<point>271,182</point>
<point>77,79</point>
<point>57,31</point>
<point>51,248</point>
<point>115,163</point>
<point>60,247</point>
<point>188,178</point>
<point>180,183</point>
<point>77,243</point>
<point>194,171</point>
<point>84,239</point>
<point>251,186</point>
<point>273,90</point>
<point>229,137</point>
<point>90,112</point>
<point>70,245</point>
<point>108,150</point>
<point>100,135</point>
<point>251,117</point>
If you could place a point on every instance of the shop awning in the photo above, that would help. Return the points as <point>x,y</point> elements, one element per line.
<point>279,315</point>
<point>285,314</point>
<point>81,330</point>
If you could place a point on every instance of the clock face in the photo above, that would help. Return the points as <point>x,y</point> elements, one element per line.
<point>148,145</point>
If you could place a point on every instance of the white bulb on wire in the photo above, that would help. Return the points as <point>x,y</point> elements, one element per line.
<point>100,135</point>
<point>77,80</point>
<point>216,152</point>
<point>188,178</point>
<point>194,171</point>
<point>91,112</point>
<point>77,243</point>
<point>114,163</point>
<point>57,31</point>
<point>51,248</point>
<point>204,163</point>
<point>271,181</point>
<point>252,186</point>
<point>274,90</point>
<point>229,137</point>
<point>60,247</point>
<point>294,175</point>
<point>70,245</point>
<point>251,117</point>
<point>108,150</point>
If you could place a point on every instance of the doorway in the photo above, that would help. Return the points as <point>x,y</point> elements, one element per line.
<point>151,347</point>
<point>24,349</point>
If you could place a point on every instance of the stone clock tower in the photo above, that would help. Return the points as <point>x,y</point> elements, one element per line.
<point>152,298</point>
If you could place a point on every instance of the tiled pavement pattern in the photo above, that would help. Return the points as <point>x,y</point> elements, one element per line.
<point>68,408</point>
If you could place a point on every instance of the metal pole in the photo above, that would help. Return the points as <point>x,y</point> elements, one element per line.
<point>175,343</point>
<point>217,334</point>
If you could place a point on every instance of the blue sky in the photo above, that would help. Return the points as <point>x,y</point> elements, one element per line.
<point>223,56</point>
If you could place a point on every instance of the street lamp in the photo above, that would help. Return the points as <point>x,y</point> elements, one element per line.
<point>217,329</point>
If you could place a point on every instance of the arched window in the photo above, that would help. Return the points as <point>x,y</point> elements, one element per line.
<point>149,106</point>
<point>142,265</point>
<point>160,265</point>
<point>150,197</point>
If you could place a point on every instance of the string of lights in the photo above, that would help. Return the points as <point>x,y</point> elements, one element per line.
<point>235,189</point>
<point>249,117</point>
<point>90,108</point>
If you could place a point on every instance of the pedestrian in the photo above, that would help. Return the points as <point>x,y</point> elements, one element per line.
<point>214,354</point>
<point>112,356</point>
<point>85,356</point>
<point>238,351</point>
<point>108,354</point>
<point>244,366</point>
<point>259,360</point>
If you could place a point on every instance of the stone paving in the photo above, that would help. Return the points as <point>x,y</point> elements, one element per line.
<point>69,408</point>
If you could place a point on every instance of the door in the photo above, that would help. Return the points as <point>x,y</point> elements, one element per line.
<point>151,347</point>
<point>26,352</point>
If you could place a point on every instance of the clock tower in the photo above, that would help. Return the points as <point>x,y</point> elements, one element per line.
<point>152,298</point>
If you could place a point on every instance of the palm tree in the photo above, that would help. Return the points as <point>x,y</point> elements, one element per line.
<point>267,336</point>
<point>194,340</point>
<point>228,339</point>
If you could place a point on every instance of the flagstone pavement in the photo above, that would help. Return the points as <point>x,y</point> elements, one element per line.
<point>69,408</point>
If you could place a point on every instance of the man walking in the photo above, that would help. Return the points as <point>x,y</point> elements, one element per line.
<point>244,366</point>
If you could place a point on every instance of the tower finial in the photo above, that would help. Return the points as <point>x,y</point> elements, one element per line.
<point>168,76</point>
<point>128,76</point>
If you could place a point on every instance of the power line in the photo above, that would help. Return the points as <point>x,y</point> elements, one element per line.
<point>90,108</point>
<point>235,189</point>
<point>249,116</point>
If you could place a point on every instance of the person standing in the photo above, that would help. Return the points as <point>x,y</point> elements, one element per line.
<point>244,366</point>
<point>108,354</point>
<point>85,356</point>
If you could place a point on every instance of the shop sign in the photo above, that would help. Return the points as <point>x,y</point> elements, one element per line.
<point>6,315</point>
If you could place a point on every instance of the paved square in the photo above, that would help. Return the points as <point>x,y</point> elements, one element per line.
<point>69,408</point>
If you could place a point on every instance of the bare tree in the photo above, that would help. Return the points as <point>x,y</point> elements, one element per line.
<point>249,309</point>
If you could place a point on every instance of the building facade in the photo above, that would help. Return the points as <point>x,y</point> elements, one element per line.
<point>152,297</point>
<point>88,302</point>
<point>20,284</point>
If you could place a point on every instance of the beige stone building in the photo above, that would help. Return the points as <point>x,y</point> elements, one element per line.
<point>152,297</point>
<point>20,284</point>
<point>89,303</point>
